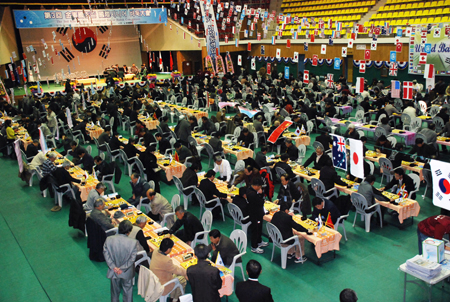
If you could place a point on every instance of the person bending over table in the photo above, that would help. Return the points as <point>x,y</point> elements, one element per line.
<point>191,225</point>
<point>330,110</point>
<point>223,245</point>
<point>400,178</point>
<point>74,153</point>
<point>209,189</point>
<point>33,148</point>
<point>255,197</point>
<point>223,167</point>
<point>138,234</point>
<point>130,150</point>
<point>430,133</point>
<point>163,143</point>
<point>216,142</point>
<point>159,207</point>
<point>100,217</point>
<point>246,138</point>
<point>329,176</point>
<point>422,150</point>
<point>93,195</point>
<point>104,138</point>
<point>165,268</point>
<point>400,156</point>
<point>204,278</point>
<point>288,193</point>
<point>319,159</point>
<point>261,159</point>
<point>242,203</point>
<point>207,126</point>
<point>285,223</point>
<point>86,160</point>
<point>382,145</point>
<point>63,176</point>
<point>102,168</point>
<point>139,188</point>
<point>351,132</point>
<point>190,178</point>
<point>251,290</point>
<point>435,227</point>
<point>283,164</point>
<point>371,194</point>
<point>247,175</point>
<point>291,150</point>
<point>324,208</point>
<point>182,151</point>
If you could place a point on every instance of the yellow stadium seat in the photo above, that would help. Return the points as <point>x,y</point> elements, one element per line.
<point>437,19</point>
<point>423,21</point>
<point>432,12</point>
<point>389,15</point>
<point>403,22</point>
<point>397,7</point>
<point>421,5</point>
<point>395,15</point>
<point>415,6</point>
<point>381,9</point>
<point>366,24</point>
<point>407,14</point>
<point>444,19</point>
<point>425,12</point>
<point>408,6</point>
<point>403,6</point>
<point>430,20</point>
<point>446,11</point>
<point>439,11</point>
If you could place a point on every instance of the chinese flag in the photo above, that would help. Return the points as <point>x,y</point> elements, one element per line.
<point>288,43</point>
<point>176,156</point>
<point>329,222</point>
<point>171,61</point>
<point>249,47</point>
<point>154,116</point>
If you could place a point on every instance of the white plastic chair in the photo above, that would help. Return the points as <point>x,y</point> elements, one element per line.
<point>387,167</point>
<point>127,166</point>
<point>175,203</point>
<point>239,238</point>
<point>177,284</point>
<point>301,153</point>
<point>318,187</point>
<point>181,190</point>
<point>215,202</point>
<point>207,220</point>
<point>145,257</point>
<point>416,180</point>
<point>277,239</point>
<point>186,298</point>
<point>60,191</point>
<point>238,217</point>
<point>361,205</point>
<point>340,223</point>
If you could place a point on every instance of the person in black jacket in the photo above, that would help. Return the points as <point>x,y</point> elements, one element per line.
<point>255,197</point>
<point>191,225</point>
<point>422,150</point>
<point>329,176</point>
<point>325,139</point>
<point>150,163</point>
<point>351,132</point>
<point>330,110</point>
<point>284,165</point>
<point>223,245</point>
<point>241,201</point>
<point>319,159</point>
<point>115,144</point>
<point>246,138</point>
<point>207,126</point>
<point>163,143</point>
<point>324,208</point>
<point>400,156</point>
<point>130,150</point>
<point>33,148</point>
<point>190,178</point>
<point>164,124</point>
<point>285,223</point>
<point>288,192</point>
<point>382,145</point>
<point>399,179</point>
<point>86,160</point>
<point>139,188</point>
<point>208,187</point>
<point>251,290</point>
<point>102,167</point>
<point>291,150</point>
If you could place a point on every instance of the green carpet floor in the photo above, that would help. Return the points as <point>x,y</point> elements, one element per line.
<point>43,259</point>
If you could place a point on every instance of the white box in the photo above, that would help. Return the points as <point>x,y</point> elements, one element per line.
<point>433,249</point>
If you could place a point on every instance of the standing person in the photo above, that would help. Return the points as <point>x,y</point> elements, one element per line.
<point>255,198</point>
<point>204,278</point>
<point>251,290</point>
<point>51,120</point>
<point>435,227</point>
<point>120,254</point>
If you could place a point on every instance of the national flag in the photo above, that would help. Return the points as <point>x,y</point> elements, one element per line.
<point>239,62</point>
<point>249,46</point>
<point>273,40</point>
<point>219,260</point>
<point>278,131</point>
<point>171,61</point>
<point>288,43</point>
<point>344,52</point>
<point>373,46</point>
<point>269,68</point>
<point>226,39</point>
<point>315,59</point>
<point>356,158</point>
<point>236,42</point>
<point>330,23</point>
<point>440,172</point>
<point>393,69</point>
<point>297,131</point>
<point>278,53</point>
<point>176,157</point>
<point>305,46</point>
<point>312,38</point>
<point>306,76</point>
<point>395,89</point>
<point>42,141</point>
<point>407,90</point>
<point>350,43</point>
<point>330,82</point>
<point>423,58</point>
<point>362,66</point>
<point>338,26</point>
<point>398,47</point>
<point>359,88</point>
<point>339,152</point>
<point>367,54</point>
<point>323,49</point>
<point>248,112</point>
<point>161,66</point>
<point>329,223</point>
<point>429,71</point>
<point>253,63</point>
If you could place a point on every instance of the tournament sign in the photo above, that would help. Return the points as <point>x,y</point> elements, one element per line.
<point>436,44</point>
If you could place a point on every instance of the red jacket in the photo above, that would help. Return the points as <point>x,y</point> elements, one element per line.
<point>435,226</point>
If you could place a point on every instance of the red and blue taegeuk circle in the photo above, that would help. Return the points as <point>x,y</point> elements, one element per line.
<point>444,185</point>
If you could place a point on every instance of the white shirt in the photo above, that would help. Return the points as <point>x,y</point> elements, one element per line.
<point>411,111</point>
<point>224,169</point>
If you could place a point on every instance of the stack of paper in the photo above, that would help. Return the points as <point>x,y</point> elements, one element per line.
<point>423,267</point>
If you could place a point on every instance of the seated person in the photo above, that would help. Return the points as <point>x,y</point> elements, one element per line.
<point>207,126</point>
<point>216,142</point>
<point>288,192</point>
<point>100,217</point>
<point>223,167</point>
<point>400,156</point>
<point>74,153</point>
<point>130,150</point>
<point>247,175</point>
<point>400,179</point>
<point>115,144</point>
<point>223,245</point>
<point>385,125</point>
<point>138,234</point>
<point>382,145</point>
<point>104,138</point>
<point>159,207</point>
<point>351,132</point>
<point>291,150</point>
<point>86,160</point>
<point>163,143</point>
<point>261,159</point>
<point>319,159</point>
<point>33,149</point>
<point>423,150</point>
<point>210,191</point>
<point>241,201</point>
<point>283,164</point>
<point>329,176</point>
<point>93,195</point>
<point>139,188</point>
<point>430,133</point>
<point>324,208</point>
<point>325,139</point>
<point>190,178</point>
<point>191,225</point>
<point>246,138</point>
<point>182,151</point>
<point>102,167</point>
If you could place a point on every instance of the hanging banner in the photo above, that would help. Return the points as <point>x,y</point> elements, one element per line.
<point>42,141</point>
<point>277,132</point>
<point>3,92</point>
<point>440,172</point>
<point>95,17</point>
<point>220,68</point>
<point>230,67</point>
<point>339,152</point>
<point>69,116</point>
<point>18,154</point>
<point>211,31</point>
<point>209,65</point>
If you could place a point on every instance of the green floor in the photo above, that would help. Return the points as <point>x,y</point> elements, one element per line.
<point>43,259</point>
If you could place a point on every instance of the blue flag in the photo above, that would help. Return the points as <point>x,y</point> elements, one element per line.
<point>339,152</point>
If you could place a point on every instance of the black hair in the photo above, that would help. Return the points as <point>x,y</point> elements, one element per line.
<point>201,251</point>
<point>370,178</point>
<point>316,201</point>
<point>214,233</point>
<point>166,244</point>
<point>399,171</point>
<point>253,269</point>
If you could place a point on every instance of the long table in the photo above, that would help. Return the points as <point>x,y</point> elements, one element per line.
<point>180,248</point>
<point>445,141</point>
<point>299,139</point>
<point>94,131</point>
<point>186,111</point>
<point>241,153</point>
<point>149,122</point>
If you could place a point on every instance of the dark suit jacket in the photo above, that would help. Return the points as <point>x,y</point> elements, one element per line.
<point>286,168</point>
<point>189,178</point>
<point>329,177</point>
<point>32,150</point>
<point>183,153</point>
<point>242,203</point>
<point>191,226</point>
<point>293,152</point>
<point>246,140</point>
<point>312,159</point>
<point>285,224</point>
<point>325,140</point>
<point>409,183</point>
<point>140,188</point>
<point>261,160</point>
<point>115,144</point>
<point>291,193</point>
<point>104,168</point>
<point>216,144</point>
<point>255,205</point>
<point>227,250</point>
<point>205,282</point>
<point>164,144</point>
<point>63,177</point>
<point>253,291</point>
<point>88,162</point>
<point>330,208</point>
<point>209,189</point>
<point>164,127</point>
<point>184,130</point>
<point>130,150</point>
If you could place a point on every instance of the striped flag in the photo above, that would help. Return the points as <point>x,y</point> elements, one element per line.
<point>429,71</point>
<point>359,88</point>
<point>273,40</point>
<point>395,89</point>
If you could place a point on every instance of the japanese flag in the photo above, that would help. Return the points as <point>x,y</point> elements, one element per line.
<point>297,132</point>
<point>323,49</point>
<point>408,31</point>
<point>278,56</point>
<point>356,158</point>
<point>359,88</point>
<point>239,62</point>
<point>429,71</point>
<point>350,43</point>
<point>344,52</point>
<point>306,76</point>
<point>362,66</point>
<point>253,64</point>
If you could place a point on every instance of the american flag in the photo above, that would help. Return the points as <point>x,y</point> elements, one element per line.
<point>339,152</point>
<point>393,69</point>
<point>395,89</point>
